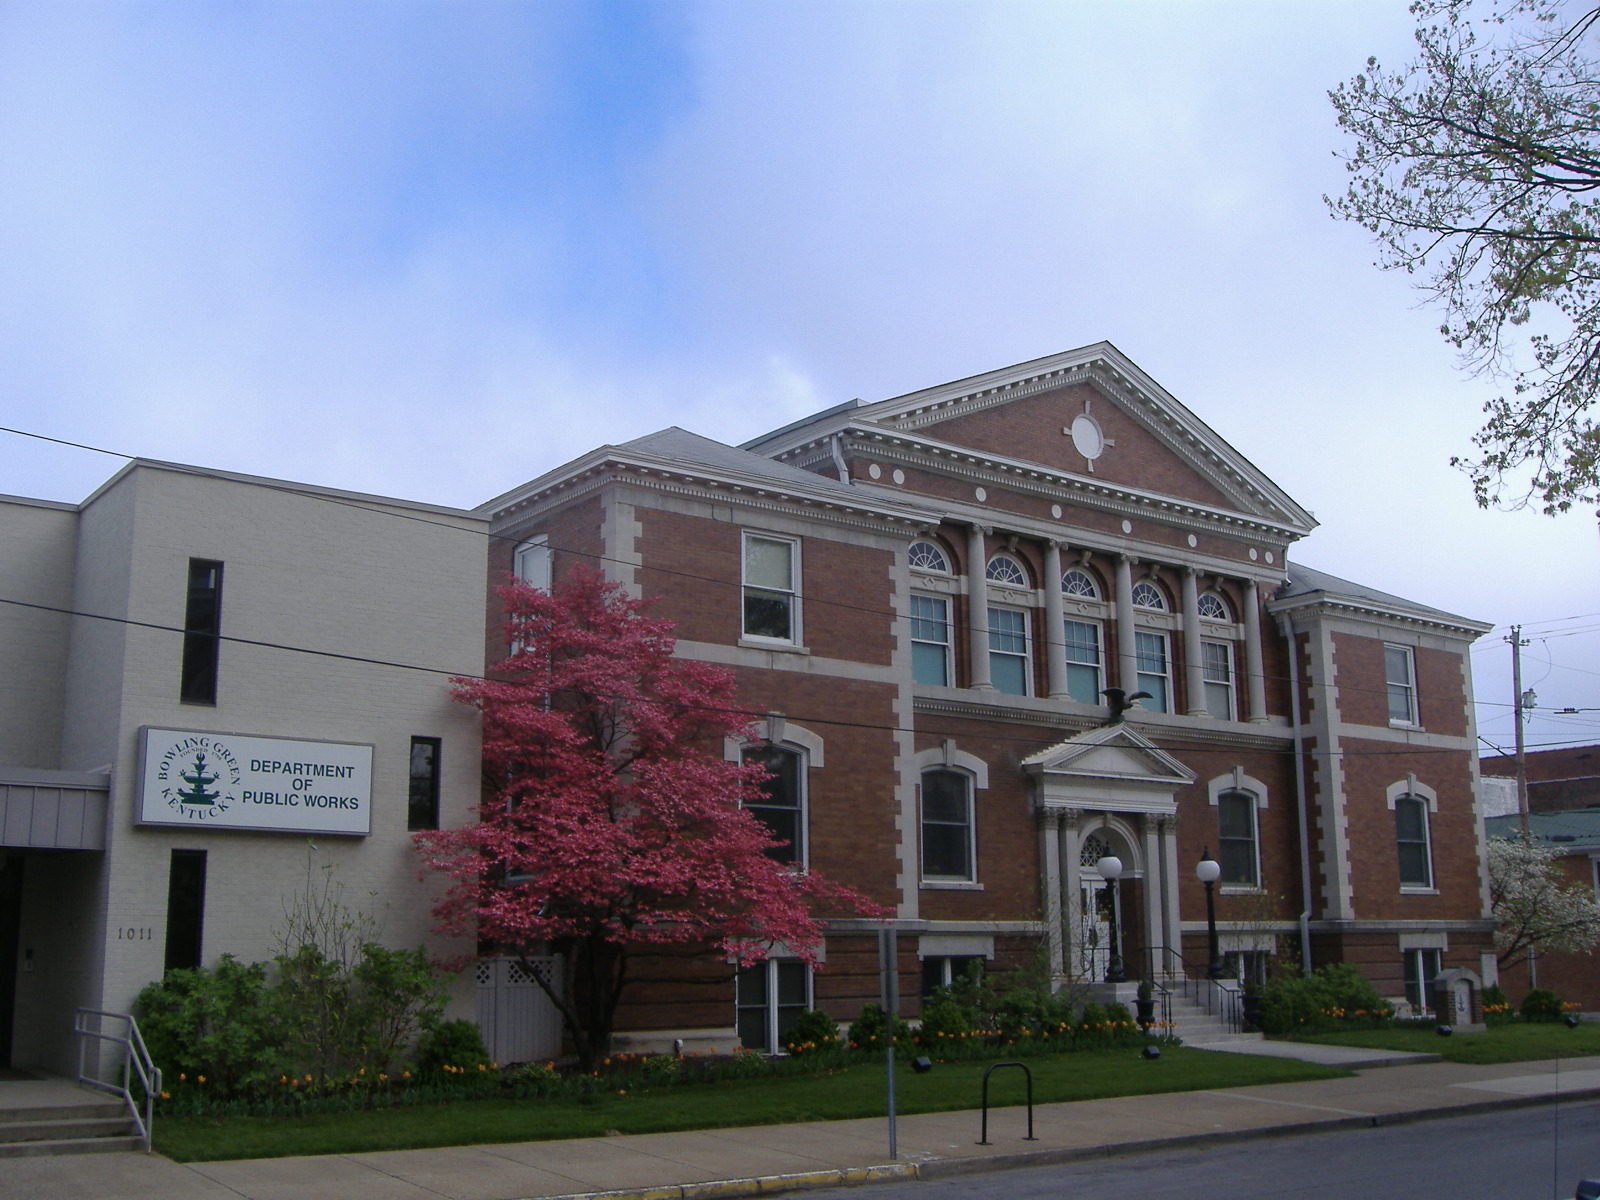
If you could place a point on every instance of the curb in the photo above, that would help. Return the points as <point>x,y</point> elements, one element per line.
<point>945,1168</point>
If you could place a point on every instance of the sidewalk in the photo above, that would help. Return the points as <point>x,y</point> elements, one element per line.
<point>722,1163</point>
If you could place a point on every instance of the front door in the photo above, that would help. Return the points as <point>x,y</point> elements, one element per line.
<point>10,928</point>
<point>1095,933</point>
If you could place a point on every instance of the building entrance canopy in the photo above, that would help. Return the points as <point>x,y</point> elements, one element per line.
<point>1108,790</point>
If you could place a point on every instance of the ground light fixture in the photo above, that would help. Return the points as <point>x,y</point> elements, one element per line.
<point>922,1064</point>
<point>1208,870</point>
<point>1151,1052</point>
<point>1110,868</point>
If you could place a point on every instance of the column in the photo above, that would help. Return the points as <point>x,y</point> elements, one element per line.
<point>1173,937</point>
<point>1050,864</point>
<point>1055,650</point>
<point>1127,657</point>
<point>1154,896</point>
<point>978,608</point>
<point>1255,677</point>
<point>1193,673</point>
<point>1068,821</point>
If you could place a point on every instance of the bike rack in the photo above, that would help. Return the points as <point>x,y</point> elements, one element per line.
<point>991,1071</point>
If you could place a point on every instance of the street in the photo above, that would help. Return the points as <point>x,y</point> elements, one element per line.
<point>1524,1154</point>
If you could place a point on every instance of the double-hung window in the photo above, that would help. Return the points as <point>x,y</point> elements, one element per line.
<point>1236,839</point>
<point>947,826</point>
<point>1008,650</point>
<point>1083,661</point>
<point>1421,969</point>
<point>930,640</point>
<point>771,594</point>
<point>1154,669</point>
<point>1216,668</point>
<point>530,562</point>
<point>1400,676</point>
<point>769,998</point>
<point>782,805</point>
<point>1411,841</point>
<point>943,970</point>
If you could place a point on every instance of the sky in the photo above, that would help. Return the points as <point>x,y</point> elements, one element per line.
<point>433,250</point>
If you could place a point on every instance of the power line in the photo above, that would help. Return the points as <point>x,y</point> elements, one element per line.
<point>1172,741</point>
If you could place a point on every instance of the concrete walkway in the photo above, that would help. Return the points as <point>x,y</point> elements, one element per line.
<point>723,1163</point>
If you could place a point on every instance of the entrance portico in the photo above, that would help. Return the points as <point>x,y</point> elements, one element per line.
<point>1108,791</point>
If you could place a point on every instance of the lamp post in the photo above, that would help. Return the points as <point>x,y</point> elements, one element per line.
<point>1209,870</point>
<point>1110,868</point>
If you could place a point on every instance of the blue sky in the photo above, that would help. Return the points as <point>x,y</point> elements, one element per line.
<point>434,249</point>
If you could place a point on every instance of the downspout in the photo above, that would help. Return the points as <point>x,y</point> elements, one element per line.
<point>839,464</point>
<point>1287,628</point>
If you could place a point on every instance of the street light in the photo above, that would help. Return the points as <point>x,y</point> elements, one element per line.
<point>1110,868</point>
<point>1209,870</point>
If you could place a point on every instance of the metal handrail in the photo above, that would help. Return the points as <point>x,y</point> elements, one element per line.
<point>136,1060</point>
<point>1219,997</point>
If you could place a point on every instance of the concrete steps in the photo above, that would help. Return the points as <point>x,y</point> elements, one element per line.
<point>1199,1028</point>
<point>86,1127</point>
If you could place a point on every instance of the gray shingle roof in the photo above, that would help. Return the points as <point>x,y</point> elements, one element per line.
<point>1305,581</point>
<point>684,446</point>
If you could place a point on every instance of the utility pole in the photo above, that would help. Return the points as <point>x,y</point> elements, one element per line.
<point>889,992</point>
<point>1517,643</point>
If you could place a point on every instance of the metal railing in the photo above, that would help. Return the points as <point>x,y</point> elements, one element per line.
<point>136,1063</point>
<point>1220,998</point>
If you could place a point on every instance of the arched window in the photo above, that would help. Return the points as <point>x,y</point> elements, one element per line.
<point>926,556</point>
<point>1411,841</point>
<point>1236,839</point>
<point>1007,570</point>
<point>1094,849</point>
<point>947,825</point>
<point>1078,582</point>
<point>1148,595</point>
<point>1213,608</point>
<point>782,806</point>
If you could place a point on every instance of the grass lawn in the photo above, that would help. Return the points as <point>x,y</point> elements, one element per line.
<point>1499,1044</point>
<point>856,1091</point>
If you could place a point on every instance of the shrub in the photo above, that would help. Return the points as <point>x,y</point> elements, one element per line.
<point>1541,1004</point>
<point>814,1031</point>
<point>869,1030</point>
<point>220,1022</point>
<point>1335,996</point>
<point>1497,1009</point>
<point>449,1044</point>
<point>945,1020</point>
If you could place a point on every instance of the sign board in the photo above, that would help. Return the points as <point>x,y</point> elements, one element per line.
<point>231,781</point>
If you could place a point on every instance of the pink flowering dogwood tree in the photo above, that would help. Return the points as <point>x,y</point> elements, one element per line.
<point>612,828</point>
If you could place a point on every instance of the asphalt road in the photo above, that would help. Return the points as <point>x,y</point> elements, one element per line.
<point>1523,1154</point>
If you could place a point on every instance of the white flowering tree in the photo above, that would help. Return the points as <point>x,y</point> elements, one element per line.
<point>1535,906</point>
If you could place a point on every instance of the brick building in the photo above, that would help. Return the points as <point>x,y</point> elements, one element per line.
<point>931,593</point>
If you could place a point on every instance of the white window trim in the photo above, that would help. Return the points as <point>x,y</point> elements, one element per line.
<point>949,637</point>
<point>1100,647</point>
<point>796,636</point>
<point>1166,602</point>
<point>539,541</point>
<point>1224,622</point>
<point>1414,721</point>
<point>1073,597</point>
<point>771,964</point>
<point>1166,639</point>
<point>946,756</point>
<point>1411,786</point>
<point>797,739</point>
<point>935,571</point>
<point>1232,683</point>
<point>1237,781</point>
<point>1021,566</point>
<point>1027,645</point>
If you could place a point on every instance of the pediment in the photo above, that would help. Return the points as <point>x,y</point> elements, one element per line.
<point>1091,412</point>
<point>1110,753</point>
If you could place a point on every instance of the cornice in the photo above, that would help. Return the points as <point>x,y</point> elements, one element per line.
<point>1270,738</point>
<point>977,466</point>
<point>1324,604</point>
<point>674,477</point>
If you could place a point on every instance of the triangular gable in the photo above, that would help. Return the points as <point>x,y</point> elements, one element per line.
<point>1110,752</point>
<point>1028,412</point>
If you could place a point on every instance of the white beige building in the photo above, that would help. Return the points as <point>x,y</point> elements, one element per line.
<point>210,683</point>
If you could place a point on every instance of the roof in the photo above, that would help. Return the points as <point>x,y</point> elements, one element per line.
<point>1306,583</point>
<point>1575,831</point>
<point>683,446</point>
